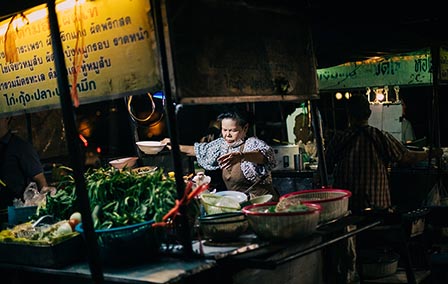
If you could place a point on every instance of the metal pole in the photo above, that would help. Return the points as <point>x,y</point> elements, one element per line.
<point>182,224</point>
<point>319,143</point>
<point>76,156</point>
<point>435,121</point>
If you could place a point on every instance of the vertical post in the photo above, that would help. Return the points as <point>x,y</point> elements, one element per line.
<point>435,123</point>
<point>315,117</point>
<point>182,224</point>
<point>74,146</point>
<point>435,55</point>
<point>333,113</point>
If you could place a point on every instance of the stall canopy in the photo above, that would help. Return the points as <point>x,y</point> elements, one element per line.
<point>351,31</point>
<point>109,50</point>
<point>406,69</point>
<point>241,51</point>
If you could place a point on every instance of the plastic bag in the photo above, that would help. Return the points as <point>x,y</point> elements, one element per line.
<point>437,196</point>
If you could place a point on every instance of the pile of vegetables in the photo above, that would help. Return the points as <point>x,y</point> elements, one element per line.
<point>289,204</point>
<point>117,197</point>
<point>26,233</point>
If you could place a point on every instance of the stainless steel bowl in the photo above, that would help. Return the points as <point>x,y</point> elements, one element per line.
<point>223,227</point>
<point>223,217</point>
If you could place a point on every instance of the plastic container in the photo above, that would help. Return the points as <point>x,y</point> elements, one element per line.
<point>279,226</point>
<point>54,255</point>
<point>19,215</point>
<point>334,202</point>
<point>377,264</point>
<point>128,244</point>
<point>237,195</point>
<point>214,204</point>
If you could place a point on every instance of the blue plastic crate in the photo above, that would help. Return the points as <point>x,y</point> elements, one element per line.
<point>128,244</point>
<point>19,215</point>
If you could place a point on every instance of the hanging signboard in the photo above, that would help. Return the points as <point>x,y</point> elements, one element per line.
<point>110,43</point>
<point>404,69</point>
<point>232,51</point>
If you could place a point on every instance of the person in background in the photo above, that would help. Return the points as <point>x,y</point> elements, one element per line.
<point>19,165</point>
<point>358,159</point>
<point>243,160</point>
<point>407,131</point>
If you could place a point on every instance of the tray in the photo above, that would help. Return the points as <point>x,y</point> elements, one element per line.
<point>40,255</point>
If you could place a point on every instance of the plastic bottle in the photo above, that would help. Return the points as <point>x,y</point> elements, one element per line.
<point>298,159</point>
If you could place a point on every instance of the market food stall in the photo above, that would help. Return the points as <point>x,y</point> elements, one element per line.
<point>245,260</point>
<point>145,49</point>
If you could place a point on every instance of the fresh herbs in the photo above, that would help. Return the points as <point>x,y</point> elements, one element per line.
<point>118,197</point>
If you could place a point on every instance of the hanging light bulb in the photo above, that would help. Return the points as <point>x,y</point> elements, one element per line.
<point>347,95</point>
<point>338,95</point>
<point>379,95</point>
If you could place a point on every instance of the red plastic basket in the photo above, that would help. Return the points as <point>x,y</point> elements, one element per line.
<point>334,202</point>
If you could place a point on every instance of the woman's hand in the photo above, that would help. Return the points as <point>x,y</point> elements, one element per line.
<point>186,149</point>
<point>227,160</point>
<point>166,141</point>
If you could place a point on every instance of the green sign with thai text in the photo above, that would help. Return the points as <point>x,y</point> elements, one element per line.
<point>408,69</point>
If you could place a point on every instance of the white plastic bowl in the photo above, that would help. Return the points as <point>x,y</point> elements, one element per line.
<point>236,195</point>
<point>128,162</point>
<point>150,147</point>
<point>214,204</point>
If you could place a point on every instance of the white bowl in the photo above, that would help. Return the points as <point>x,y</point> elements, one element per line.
<point>214,204</point>
<point>128,162</point>
<point>261,199</point>
<point>150,147</point>
<point>236,195</point>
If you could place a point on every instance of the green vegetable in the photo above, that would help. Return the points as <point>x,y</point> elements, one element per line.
<point>63,203</point>
<point>117,198</point>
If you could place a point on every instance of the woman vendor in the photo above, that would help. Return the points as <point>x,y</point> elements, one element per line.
<point>243,160</point>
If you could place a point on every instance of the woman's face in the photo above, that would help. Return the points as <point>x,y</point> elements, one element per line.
<point>231,131</point>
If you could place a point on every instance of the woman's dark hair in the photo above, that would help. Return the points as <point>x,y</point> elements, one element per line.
<point>359,107</point>
<point>242,117</point>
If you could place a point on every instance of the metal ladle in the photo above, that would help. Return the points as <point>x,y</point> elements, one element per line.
<point>38,221</point>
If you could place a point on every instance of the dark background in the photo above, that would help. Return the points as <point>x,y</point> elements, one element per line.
<point>342,31</point>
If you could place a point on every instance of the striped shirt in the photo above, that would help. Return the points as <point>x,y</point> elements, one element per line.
<point>359,159</point>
